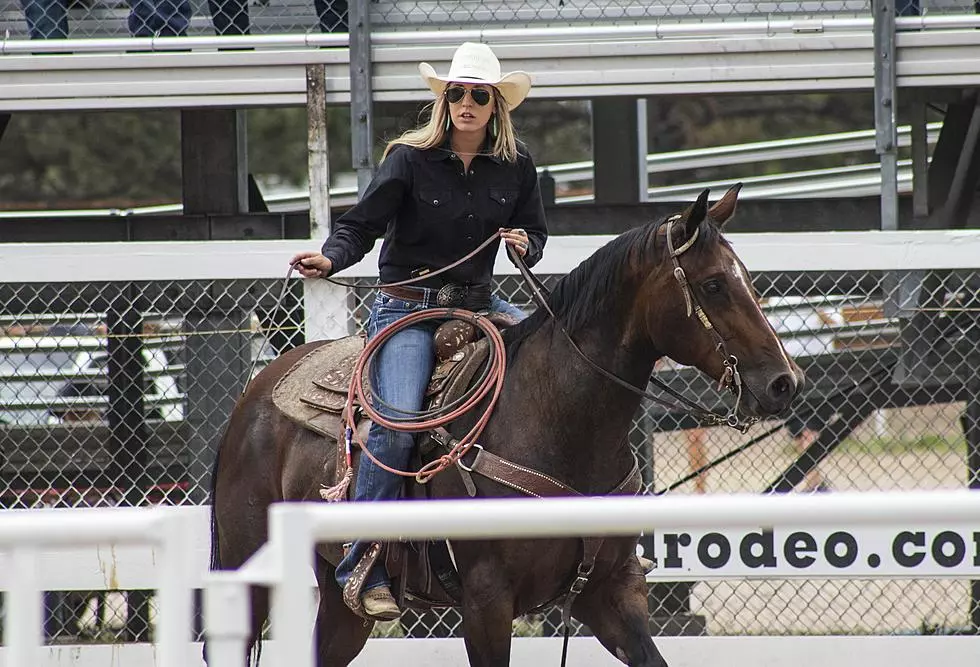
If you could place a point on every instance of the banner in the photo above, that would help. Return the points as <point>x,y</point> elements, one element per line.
<point>841,552</point>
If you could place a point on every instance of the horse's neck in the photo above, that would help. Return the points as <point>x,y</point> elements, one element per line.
<point>589,414</point>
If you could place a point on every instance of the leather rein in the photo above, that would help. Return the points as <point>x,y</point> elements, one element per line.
<point>731,378</point>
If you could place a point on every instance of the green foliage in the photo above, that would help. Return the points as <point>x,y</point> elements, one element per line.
<point>277,143</point>
<point>132,158</point>
<point>90,159</point>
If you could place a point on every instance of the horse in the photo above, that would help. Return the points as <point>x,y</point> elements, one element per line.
<point>673,287</point>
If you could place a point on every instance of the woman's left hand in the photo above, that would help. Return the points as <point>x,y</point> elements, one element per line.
<point>516,238</point>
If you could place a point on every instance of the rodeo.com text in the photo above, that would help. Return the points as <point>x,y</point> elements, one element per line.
<point>795,552</point>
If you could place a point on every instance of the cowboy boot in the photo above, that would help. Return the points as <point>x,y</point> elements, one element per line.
<point>380,604</point>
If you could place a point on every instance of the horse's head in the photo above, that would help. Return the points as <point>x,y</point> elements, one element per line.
<point>702,311</point>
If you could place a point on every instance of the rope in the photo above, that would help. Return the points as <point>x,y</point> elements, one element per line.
<point>491,384</point>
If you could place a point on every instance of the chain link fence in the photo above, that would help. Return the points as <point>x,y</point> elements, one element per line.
<point>53,19</point>
<point>117,394</point>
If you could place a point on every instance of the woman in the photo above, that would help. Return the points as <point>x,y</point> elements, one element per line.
<point>440,191</point>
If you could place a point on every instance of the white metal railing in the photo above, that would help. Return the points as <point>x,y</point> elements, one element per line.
<point>221,260</point>
<point>24,534</point>
<point>286,560</point>
<point>777,55</point>
<point>44,550</point>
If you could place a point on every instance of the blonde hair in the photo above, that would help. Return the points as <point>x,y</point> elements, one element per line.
<point>434,133</point>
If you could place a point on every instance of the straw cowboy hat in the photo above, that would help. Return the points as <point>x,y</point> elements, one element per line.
<point>476,63</point>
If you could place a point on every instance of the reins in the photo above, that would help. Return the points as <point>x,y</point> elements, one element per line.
<point>731,379</point>
<point>292,267</point>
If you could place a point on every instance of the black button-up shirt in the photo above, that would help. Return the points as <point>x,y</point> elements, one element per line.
<point>431,214</point>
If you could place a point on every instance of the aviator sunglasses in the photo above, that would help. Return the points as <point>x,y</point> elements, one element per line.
<point>455,94</point>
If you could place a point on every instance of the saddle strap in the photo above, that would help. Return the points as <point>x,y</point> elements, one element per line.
<point>590,550</point>
<point>534,483</point>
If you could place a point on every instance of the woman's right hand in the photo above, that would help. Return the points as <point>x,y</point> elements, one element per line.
<point>312,264</point>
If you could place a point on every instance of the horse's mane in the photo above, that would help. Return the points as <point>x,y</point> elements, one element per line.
<point>581,296</point>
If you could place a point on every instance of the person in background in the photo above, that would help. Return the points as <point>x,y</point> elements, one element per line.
<point>46,19</point>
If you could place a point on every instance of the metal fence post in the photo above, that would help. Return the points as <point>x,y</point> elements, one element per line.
<point>127,426</point>
<point>317,145</point>
<point>292,624</point>
<point>886,139</point>
<point>24,609</point>
<point>361,94</point>
<point>226,607</point>
<point>175,599</point>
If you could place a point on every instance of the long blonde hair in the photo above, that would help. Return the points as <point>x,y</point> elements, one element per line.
<point>434,132</point>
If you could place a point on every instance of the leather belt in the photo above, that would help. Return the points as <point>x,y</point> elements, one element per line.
<point>471,297</point>
<point>406,293</point>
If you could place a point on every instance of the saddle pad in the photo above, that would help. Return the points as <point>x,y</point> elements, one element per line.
<point>296,384</point>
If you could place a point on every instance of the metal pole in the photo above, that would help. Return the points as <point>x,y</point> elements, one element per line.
<point>920,160</point>
<point>886,143</point>
<point>317,145</point>
<point>24,609</point>
<point>642,148</point>
<point>292,620</point>
<point>175,597</point>
<point>226,605</point>
<point>361,93</point>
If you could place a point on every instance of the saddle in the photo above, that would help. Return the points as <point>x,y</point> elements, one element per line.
<point>313,394</point>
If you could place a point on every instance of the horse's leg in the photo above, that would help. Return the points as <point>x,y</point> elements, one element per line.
<point>488,615</point>
<point>616,612</point>
<point>340,633</point>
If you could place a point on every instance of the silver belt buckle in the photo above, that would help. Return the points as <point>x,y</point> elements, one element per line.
<point>450,296</point>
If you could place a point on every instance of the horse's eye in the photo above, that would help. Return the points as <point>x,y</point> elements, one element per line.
<point>712,286</point>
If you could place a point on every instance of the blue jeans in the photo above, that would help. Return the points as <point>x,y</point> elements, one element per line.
<point>400,374</point>
<point>46,19</point>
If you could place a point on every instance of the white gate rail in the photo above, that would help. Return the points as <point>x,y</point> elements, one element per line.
<point>295,527</point>
<point>25,534</point>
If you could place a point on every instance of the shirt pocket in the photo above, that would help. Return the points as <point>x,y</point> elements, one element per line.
<point>502,202</point>
<point>434,205</point>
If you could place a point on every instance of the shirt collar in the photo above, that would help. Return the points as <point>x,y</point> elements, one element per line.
<point>444,151</point>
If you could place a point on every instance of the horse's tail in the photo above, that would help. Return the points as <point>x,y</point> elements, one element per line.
<point>212,490</point>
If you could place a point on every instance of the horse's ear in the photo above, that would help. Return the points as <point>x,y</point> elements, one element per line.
<point>695,213</point>
<point>724,208</point>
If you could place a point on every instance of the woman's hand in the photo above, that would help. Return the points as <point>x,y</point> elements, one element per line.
<point>516,238</point>
<point>312,264</point>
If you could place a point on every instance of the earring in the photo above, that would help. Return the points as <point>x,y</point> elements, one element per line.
<point>493,126</point>
<point>449,120</point>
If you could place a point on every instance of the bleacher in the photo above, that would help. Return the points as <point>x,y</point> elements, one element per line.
<point>107,18</point>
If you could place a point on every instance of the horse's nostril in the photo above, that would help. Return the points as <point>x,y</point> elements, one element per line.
<point>782,387</point>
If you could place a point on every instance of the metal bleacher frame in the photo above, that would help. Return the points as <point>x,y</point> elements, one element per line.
<point>790,55</point>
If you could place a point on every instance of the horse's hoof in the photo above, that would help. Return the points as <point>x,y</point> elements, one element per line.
<point>380,604</point>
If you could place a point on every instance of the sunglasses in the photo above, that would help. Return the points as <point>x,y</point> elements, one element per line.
<point>455,94</point>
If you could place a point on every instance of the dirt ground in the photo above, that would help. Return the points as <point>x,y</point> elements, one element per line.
<point>909,448</point>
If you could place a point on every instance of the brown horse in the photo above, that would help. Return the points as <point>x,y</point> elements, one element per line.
<point>625,308</point>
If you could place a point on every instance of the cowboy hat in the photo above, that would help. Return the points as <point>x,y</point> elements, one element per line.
<point>476,63</point>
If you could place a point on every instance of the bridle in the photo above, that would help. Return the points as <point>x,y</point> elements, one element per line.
<point>731,378</point>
